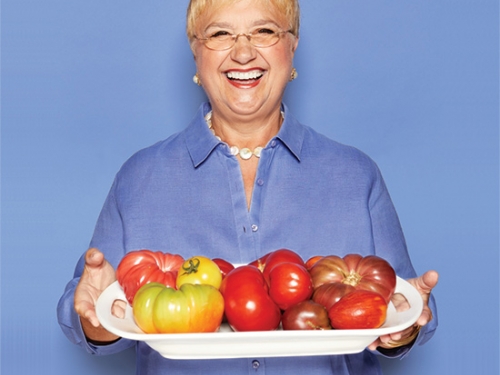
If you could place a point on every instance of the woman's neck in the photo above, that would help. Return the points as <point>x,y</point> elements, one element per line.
<point>246,132</point>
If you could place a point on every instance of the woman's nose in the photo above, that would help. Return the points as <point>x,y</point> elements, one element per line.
<point>243,51</point>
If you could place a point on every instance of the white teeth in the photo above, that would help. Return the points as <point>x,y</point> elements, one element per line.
<point>244,75</point>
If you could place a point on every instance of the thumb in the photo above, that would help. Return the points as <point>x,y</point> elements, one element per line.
<point>94,258</point>
<point>427,282</point>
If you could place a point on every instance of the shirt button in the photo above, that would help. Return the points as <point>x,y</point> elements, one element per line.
<point>260,182</point>
<point>255,228</point>
<point>255,364</point>
<point>273,143</point>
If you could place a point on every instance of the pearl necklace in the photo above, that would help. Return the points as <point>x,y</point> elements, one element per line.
<point>245,153</point>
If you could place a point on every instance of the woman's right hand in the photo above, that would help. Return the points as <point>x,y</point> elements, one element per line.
<point>97,275</point>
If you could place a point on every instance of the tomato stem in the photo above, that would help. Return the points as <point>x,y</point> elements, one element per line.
<point>352,279</point>
<point>194,263</point>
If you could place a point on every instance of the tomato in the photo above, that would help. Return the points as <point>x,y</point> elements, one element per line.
<point>261,262</point>
<point>360,309</point>
<point>289,284</point>
<point>366,273</point>
<point>312,261</point>
<point>280,256</point>
<point>192,308</point>
<point>224,266</point>
<point>306,315</point>
<point>144,266</point>
<point>199,270</point>
<point>248,306</point>
<point>329,294</point>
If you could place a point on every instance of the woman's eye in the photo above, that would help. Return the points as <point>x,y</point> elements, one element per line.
<point>265,31</point>
<point>220,34</point>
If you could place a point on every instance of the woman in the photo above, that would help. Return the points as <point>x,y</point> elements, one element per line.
<point>244,178</point>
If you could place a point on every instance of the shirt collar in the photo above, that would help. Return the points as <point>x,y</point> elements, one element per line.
<point>200,142</point>
<point>291,133</point>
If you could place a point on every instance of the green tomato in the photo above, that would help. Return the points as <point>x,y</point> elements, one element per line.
<point>192,308</point>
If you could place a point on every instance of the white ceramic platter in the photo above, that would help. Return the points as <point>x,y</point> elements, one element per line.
<point>228,344</point>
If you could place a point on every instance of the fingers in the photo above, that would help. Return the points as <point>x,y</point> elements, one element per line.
<point>400,302</point>
<point>374,345</point>
<point>424,284</point>
<point>86,310</point>
<point>118,308</point>
<point>425,317</point>
<point>97,275</point>
<point>92,318</point>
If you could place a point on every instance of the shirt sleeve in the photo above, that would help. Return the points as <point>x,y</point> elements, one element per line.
<point>71,326</point>
<point>391,245</point>
<point>109,227</point>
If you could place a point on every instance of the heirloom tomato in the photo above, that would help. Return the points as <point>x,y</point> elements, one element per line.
<point>141,267</point>
<point>365,273</point>
<point>199,270</point>
<point>306,315</point>
<point>329,294</point>
<point>289,284</point>
<point>312,261</point>
<point>360,309</point>
<point>192,308</point>
<point>260,263</point>
<point>280,256</point>
<point>248,306</point>
<point>224,266</point>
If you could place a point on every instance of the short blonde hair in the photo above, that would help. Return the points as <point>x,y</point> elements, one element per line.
<point>289,8</point>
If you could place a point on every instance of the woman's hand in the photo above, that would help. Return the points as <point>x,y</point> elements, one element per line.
<point>97,275</point>
<point>424,284</point>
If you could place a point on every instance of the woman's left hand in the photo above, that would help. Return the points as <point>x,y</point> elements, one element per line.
<point>424,284</point>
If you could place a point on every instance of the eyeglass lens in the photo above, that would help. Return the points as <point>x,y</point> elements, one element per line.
<point>258,39</point>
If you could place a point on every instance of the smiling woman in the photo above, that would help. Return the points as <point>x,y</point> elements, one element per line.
<point>244,83</point>
<point>244,76</point>
<point>232,185</point>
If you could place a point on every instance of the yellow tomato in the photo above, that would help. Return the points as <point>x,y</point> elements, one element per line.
<point>199,270</point>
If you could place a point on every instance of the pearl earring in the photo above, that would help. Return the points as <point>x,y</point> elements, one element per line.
<point>196,79</point>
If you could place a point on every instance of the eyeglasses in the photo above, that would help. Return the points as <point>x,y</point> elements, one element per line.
<point>261,38</point>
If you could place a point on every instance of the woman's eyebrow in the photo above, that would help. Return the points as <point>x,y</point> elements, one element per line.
<point>226,25</point>
<point>222,25</point>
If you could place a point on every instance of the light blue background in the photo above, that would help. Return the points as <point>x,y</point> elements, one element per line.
<point>412,83</point>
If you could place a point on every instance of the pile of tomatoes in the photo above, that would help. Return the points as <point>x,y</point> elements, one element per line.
<point>170,294</point>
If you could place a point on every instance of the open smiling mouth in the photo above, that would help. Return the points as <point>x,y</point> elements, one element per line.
<point>242,77</point>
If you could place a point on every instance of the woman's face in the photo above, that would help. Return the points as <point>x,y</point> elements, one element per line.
<point>222,72</point>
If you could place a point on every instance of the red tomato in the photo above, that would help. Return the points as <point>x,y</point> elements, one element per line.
<point>193,308</point>
<point>360,309</point>
<point>274,257</point>
<point>144,266</point>
<point>224,266</point>
<point>289,284</point>
<point>260,263</point>
<point>248,306</point>
<point>306,315</point>
<point>365,273</point>
<point>281,256</point>
<point>312,261</point>
<point>329,294</point>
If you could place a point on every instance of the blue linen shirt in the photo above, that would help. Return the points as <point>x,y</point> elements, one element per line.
<point>185,195</point>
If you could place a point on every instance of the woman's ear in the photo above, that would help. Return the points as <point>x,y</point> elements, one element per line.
<point>295,44</point>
